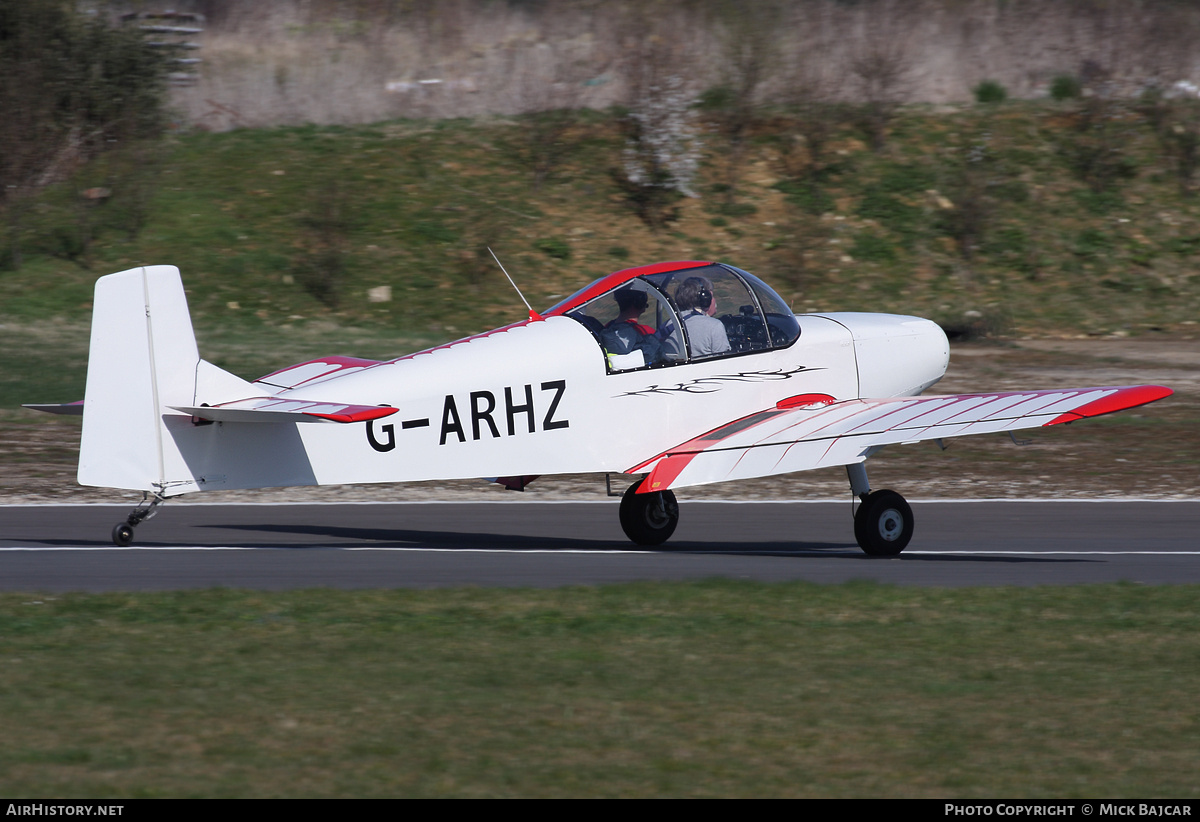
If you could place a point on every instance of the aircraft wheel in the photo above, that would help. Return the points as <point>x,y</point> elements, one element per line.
<point>648,519</point>
<point>122,534</point>
<point>883,524</point>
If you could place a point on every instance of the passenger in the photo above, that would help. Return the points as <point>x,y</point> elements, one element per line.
<point>706,333</point>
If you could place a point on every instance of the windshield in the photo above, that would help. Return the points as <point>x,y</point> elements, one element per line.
<point>680,312</point>
<point>781,322</point>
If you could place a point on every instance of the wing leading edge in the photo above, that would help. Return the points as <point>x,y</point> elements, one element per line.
<point>814,431</point>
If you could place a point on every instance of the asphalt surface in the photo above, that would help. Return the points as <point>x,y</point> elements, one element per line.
<point>540,544</point>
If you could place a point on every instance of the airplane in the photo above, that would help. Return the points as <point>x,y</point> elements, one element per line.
<point>684,373</point>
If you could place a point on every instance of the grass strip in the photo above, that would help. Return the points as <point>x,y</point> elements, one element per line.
<point>716,688</point>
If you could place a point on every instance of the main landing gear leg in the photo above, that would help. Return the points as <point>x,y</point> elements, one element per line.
<point>648,519</point>
<point>883,524</point>
<point>122,532</point>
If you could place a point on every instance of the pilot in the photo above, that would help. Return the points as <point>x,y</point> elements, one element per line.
<point>697,305</point>
<point>632,304</point>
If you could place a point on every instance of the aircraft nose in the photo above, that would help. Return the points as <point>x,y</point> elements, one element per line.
<point>898,356</point>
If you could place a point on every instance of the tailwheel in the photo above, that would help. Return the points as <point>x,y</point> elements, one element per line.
<point>648,519</point>
<point>122,532</point>
<point>883,524</point>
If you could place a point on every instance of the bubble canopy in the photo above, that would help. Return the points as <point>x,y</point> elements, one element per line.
<point>694,309</point>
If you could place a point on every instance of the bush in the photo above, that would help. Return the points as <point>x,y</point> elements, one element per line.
<point>1096,150</point>
<point>1092,243</point>
<point>871,248</point>
<point>1099,202</point>
<point>433,230</point>
<point>322,267</point>
<point>989,91</point>
<point>1185,246</point>
<point>975,325</point>
<point>75,79</point>
<point>907,179</point>
<point>737,209</point>
<point>1065,87</point>
<point>555,247</point>
<point>71,87</point>
<point>892,213</point>
<point>808,196</point>
<point>717,98</point>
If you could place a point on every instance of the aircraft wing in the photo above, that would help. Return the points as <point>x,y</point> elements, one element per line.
<point>277,409</point>
<point>815,430</point>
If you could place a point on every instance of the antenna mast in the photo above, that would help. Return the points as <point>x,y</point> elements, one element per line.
<point>533,315</point>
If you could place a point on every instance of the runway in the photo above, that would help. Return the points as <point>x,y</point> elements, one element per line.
<point>547,544</point>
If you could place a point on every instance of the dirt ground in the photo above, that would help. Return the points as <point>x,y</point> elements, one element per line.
<point>1151,452</point>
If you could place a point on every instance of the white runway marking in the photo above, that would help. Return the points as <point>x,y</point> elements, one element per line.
<point>601,551</point>
<point>609,501</point>
<point>1067,553</point>
<point>173,548</point>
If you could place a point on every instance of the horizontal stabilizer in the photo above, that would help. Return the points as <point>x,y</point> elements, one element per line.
<point>276,409</point>
<point>814,433</point>
<point>71,409</point>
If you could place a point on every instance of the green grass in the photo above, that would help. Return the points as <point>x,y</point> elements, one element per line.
<point>696,689</point>
<point>250,215</point>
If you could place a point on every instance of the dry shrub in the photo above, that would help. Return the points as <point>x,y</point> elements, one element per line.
<point>881,70</point>
<point>547,88</point>
<point>809,93</point>
<point>322,266</point>
<point>662,150</point>
<point>749,37</point>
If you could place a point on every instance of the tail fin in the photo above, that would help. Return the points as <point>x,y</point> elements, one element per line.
<point>143,359</point>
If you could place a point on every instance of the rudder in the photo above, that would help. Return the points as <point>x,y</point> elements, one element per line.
<point>142,358</point>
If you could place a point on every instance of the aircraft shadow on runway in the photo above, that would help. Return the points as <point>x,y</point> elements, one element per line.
<point>466,541</point>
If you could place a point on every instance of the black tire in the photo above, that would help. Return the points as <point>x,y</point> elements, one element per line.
<point>648,519</point>
<point>883,524</point>
<point>122,534</point>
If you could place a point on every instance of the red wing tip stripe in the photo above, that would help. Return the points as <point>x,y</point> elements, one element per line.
<point>1120,399</point>
<point>665,473</point>
<point>360,415</point>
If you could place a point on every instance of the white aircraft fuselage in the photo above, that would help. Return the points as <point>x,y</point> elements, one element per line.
<point>686,372</point>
